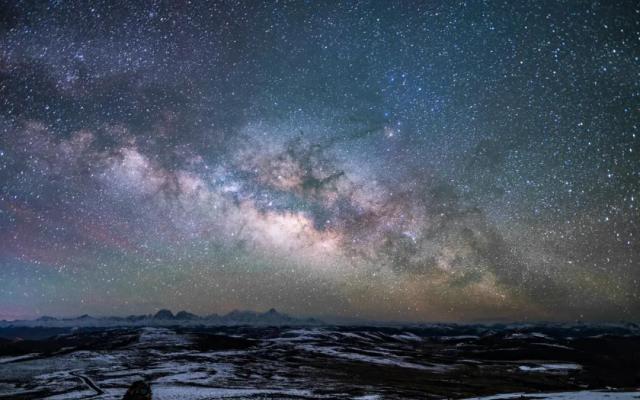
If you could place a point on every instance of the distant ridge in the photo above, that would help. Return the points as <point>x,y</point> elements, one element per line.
<point>163,314</point>
<point>185,315</point>
<point>166,317</point>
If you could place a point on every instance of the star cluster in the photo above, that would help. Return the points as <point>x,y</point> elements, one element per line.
<point>391,160</point>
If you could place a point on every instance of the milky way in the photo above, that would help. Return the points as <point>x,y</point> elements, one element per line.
<point>384,160</point>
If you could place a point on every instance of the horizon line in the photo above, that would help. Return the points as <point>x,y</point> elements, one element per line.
<point>322,318</point>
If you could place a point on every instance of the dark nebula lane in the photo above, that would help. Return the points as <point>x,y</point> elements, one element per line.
<point>390,160</point>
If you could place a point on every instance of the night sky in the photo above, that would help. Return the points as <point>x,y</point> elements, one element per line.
<point>390,160</point>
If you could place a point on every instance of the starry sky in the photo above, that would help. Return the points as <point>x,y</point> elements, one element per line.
<point>389,160</point>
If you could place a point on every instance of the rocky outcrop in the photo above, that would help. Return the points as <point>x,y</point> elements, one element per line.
<point>139,390</point>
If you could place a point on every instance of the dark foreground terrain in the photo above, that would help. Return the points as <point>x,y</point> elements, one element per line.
<point>439,361</point>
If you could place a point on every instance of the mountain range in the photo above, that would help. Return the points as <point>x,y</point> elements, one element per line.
<point>166,317</point>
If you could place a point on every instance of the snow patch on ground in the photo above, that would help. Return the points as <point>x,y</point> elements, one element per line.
<point>458,337</point>
<point>197,393</point>
<point>550,367</point>
<point>185,377</point>
<point>387,360</point>
<point>160,337</point>
<point>109,394</point>
<point>301,335</point>
<point>80,394</point>
<point>532,335</point>
<point>558,346</point>
<point>407,336</point>
<point>4,360</point>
